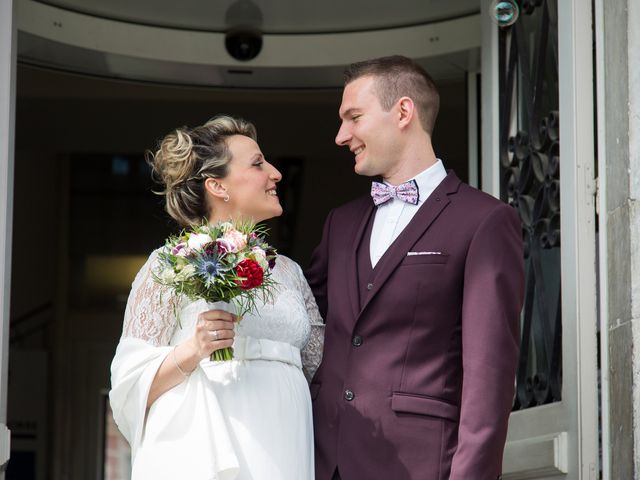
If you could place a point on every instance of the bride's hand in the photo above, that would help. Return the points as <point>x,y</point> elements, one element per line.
<point>187,355</point>
<point>214,331</point>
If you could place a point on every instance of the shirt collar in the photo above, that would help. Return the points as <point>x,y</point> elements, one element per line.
<point>428,180</point>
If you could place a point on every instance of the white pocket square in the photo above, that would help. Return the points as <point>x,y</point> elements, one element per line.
<point>412,254</point>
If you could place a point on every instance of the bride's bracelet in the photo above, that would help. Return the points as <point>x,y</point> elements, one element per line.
<point>175,361</point>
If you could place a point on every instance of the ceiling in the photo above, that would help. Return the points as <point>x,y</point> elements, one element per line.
<point>304,44</point>
<point>281,16</point>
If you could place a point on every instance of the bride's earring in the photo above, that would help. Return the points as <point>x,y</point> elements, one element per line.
<point>226,198</point>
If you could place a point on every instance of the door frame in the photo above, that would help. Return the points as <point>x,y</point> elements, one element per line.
<point>559,440</point>
<point>7,129</point>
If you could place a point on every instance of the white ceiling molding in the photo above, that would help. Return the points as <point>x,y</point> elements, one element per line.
<point>67,40</point>
<point>281,16</point>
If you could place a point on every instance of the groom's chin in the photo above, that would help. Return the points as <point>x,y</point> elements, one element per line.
<point>360,169</point>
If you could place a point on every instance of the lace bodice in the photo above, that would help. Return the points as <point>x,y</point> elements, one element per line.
<point>290,316</point>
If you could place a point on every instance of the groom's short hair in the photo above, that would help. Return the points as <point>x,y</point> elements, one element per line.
<point>395,77</point>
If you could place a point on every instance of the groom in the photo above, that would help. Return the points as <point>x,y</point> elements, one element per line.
<point>421,287</point>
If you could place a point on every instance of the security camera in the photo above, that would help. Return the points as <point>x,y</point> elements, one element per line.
<point>243,45</point>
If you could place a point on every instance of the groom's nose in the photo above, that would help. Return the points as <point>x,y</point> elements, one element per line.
<point>343,136</point>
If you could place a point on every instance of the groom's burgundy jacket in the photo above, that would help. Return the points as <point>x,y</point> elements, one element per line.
<point>420,354</point>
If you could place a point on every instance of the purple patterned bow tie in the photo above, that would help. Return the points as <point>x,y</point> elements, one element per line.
<point>382,193</point>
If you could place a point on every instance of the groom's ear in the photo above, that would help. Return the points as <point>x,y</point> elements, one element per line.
<point>406,111</point>
<point>215,188</point>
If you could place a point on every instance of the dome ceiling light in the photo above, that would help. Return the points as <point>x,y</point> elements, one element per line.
<point>243,39</point>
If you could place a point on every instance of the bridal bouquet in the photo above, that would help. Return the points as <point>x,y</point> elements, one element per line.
<point>227,262</point>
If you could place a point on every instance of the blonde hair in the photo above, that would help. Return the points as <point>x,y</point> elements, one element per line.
<point>186,157</point>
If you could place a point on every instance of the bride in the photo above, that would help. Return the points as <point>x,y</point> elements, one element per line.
<point>183,415</point>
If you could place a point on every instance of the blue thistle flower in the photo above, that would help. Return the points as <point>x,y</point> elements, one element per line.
<point>208,267</point>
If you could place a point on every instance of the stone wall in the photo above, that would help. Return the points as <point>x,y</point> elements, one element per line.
<point>633,50</point>
<point>622,150</point>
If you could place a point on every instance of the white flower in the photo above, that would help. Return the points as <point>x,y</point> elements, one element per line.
<point>167,275</point>
<point>260,256</point>
<point>187,272</point>
<point>198,240</point>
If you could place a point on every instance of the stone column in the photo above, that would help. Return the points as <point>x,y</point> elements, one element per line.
<point>621,44</point>
<point>633,49</point>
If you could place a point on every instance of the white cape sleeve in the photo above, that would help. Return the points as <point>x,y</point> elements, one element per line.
<point>132,372</point>
<point>184,432</point>
<point>148,327</point>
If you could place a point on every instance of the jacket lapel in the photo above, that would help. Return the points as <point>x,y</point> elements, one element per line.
<point>361,220</point>
<point>424,217</point>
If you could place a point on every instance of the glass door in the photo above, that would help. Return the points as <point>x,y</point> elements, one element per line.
<point>538,117</point>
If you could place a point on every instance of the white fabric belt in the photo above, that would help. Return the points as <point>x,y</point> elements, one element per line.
<point>249,348</point>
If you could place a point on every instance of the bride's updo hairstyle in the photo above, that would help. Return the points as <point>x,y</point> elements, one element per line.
<point>186,157</point>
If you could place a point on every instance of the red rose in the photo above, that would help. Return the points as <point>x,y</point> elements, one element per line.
<point>251,272</point>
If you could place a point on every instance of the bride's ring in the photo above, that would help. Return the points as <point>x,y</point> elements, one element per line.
<point>215,334</point>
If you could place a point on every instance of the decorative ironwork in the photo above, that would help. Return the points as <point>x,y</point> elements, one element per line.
<point>529,164</point>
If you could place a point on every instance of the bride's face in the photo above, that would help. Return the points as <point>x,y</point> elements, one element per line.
<point>250,182</point>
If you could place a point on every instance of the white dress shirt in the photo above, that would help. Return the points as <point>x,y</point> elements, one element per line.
<point>392,217</point>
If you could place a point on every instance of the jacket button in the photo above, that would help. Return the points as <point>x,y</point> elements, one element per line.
<point>356,341</point>
<point>348,395</point>
<point>369,286</point>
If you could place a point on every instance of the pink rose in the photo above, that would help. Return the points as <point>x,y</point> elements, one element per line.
<point>236,240</point>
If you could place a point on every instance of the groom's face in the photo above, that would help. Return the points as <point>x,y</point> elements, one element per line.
<point>367,129</point>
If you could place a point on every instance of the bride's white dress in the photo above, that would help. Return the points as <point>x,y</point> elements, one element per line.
<point>246,419</point>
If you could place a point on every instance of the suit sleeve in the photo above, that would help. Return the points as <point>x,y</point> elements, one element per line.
<point>492,301</point>
<point>317,272</point>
